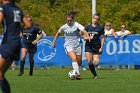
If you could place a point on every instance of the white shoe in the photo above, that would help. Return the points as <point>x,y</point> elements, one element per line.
<point>95,77</point>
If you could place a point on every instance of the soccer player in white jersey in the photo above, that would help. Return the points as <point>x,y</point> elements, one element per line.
<point>72,45</point>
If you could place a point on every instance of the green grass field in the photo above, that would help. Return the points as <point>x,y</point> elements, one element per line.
<point>57,81</point>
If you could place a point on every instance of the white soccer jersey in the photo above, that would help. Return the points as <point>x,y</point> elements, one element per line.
<point>120,33</point>
<point>71,33</point>
<point>109,32</point>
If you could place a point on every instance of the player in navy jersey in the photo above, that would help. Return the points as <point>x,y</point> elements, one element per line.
<point>29,42</point>
<point>94,48</point>
<point>10,16</point>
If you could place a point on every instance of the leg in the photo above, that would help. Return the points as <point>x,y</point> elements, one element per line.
<point>120,66</point>
<point>96,60</point>
<point>79,59</point>
<point>110,67</point>
<point>89,57</point>
<point>78,52</point>
<point>31,60</point>
<point>4,85</point>
<point>75,66</point>
<point>126,67</point>
<point>22,61</point>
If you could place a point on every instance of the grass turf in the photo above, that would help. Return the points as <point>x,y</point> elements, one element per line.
<point>57,81</point>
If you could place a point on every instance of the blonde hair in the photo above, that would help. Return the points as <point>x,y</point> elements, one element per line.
<point>108,23</point>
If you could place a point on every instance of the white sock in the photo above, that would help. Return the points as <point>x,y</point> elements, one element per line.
<point>76,67</point>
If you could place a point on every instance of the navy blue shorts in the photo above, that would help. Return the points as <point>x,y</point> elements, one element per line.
<point>30,48</point>
<point>10,53</point>
<point>94,48</point>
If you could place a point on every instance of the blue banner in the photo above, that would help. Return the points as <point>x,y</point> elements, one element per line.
<point>120,51</point>
<point>46,55</point>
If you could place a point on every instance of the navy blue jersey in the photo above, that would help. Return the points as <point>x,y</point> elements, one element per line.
<point>29,35</point>
<point>96,32</point>
<point>10,46</point>
<point>11,23</point>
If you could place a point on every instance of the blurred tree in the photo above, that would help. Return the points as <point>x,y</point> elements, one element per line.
<point>50,14</point>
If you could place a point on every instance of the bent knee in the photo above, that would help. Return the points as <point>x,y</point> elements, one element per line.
<point>96,61</point>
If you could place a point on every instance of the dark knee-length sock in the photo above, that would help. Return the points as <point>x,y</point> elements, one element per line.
<point>22,63</point>
<point>4,85</point>
<point>92,69</point>
<point>31,68</point>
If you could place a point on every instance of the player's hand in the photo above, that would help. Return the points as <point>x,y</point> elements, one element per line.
<point>100,50</point>
<point>91,37</point>
<point>53,44</point>
<point>34,42</point>
<point>88,38</point>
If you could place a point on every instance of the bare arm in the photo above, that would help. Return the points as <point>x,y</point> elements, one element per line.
<point>86,35</point>
<point>126,34</point>
<point>114,33</point>
<point>55,38</point>
<point>38,38</point>
<point>103,40</point>
<point>1,17</point>
<point>102,43</point>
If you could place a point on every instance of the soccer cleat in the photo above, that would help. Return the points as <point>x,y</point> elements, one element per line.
<point>95,77</point>
<point>78,77</point>
<point>20,73</point>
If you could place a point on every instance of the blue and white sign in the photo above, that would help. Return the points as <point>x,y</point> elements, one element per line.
<point>45,51</point>
<point>120,51</point>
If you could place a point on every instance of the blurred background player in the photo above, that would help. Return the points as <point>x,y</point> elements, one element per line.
<point>94,47</point>
<point>10,16</point>
<point>124,32</point>
<point>29,43</point>
<point>72,45</point>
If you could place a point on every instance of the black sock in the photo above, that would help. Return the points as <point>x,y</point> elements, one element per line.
<point>22,63</point>
<point>92,69</point>
<point>4,85</point>
<point>31,67</point>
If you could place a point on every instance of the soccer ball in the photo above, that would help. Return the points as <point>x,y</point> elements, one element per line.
<point>72,74</point>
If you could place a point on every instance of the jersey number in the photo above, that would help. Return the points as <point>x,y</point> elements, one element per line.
<point>17,17</point>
